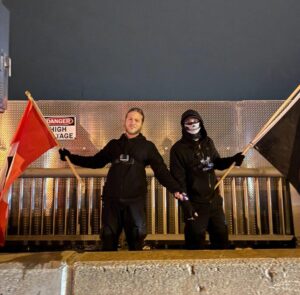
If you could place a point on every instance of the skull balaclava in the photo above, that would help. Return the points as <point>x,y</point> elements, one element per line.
<point>192,129</point>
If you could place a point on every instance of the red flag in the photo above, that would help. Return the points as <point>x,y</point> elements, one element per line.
<point>32,138</point>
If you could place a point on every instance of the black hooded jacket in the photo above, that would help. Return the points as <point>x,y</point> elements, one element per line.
<point>187,169</point>
<point>126,179</point>
<point>192,163</point>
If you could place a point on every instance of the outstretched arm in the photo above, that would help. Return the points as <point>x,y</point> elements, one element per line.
<point>99,160</point>
<point>224,163</point>
<point>161,171</point>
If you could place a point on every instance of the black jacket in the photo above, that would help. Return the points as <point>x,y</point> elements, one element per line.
<point>126,179</point>
<point>192,165</point>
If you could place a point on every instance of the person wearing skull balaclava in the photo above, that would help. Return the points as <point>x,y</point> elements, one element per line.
<point>193,160</point>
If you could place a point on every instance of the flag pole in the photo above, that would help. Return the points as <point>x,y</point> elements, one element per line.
<point>262,130</point>
<point>28,94</point>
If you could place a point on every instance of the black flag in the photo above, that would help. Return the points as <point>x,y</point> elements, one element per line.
<point>280,144</point>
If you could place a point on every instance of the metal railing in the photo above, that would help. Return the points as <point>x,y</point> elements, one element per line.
<point>50,205</point>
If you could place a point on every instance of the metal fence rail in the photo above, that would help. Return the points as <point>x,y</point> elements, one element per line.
<point>50,205</point>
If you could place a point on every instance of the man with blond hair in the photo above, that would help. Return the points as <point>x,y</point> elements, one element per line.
<point>125,190</point>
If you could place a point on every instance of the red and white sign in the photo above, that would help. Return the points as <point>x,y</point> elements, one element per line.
<point>63,127</point>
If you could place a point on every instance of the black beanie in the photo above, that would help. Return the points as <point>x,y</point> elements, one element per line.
<point>190,113</point>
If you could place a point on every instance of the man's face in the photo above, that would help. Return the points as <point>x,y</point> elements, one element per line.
<point>192,125</point>
<point>133,123</point>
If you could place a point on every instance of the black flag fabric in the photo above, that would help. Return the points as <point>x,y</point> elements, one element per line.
<point>280,144</point>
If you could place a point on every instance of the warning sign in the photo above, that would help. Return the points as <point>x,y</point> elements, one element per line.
<point>63,127</point>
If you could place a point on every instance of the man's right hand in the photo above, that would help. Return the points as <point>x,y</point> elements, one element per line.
<point>64,153</point>
<point>179,196</point>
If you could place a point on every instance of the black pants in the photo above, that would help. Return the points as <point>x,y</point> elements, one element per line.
<point>118,215</point>
<point>210,218</point>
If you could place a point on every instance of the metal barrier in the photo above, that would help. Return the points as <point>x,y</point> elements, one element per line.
<point>50,205</point>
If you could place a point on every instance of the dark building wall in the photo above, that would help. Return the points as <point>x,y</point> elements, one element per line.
<point>154,49</point>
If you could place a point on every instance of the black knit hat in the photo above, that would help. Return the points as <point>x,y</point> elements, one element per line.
<point>190,113</point>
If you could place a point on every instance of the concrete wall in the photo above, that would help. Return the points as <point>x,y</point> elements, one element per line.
<point>140,49</point>
<point>152,272</point>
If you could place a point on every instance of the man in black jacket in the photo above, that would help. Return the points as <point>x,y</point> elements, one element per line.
<point>192,162</point>
<point>124,193</point>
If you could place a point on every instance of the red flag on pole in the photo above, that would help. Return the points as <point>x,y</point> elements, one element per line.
<point>32,138</point>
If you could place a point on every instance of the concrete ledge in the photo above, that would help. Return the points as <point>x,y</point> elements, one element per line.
<point>152,272</point>
<point>33,273</point>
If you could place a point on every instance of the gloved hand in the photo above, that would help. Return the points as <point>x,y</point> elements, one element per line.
<point>238,159</point>
<point>63,153</point>
<point>188,210</point>
<point>224,163</point>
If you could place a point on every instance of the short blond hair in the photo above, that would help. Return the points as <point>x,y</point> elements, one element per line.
<point>138,110</point>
